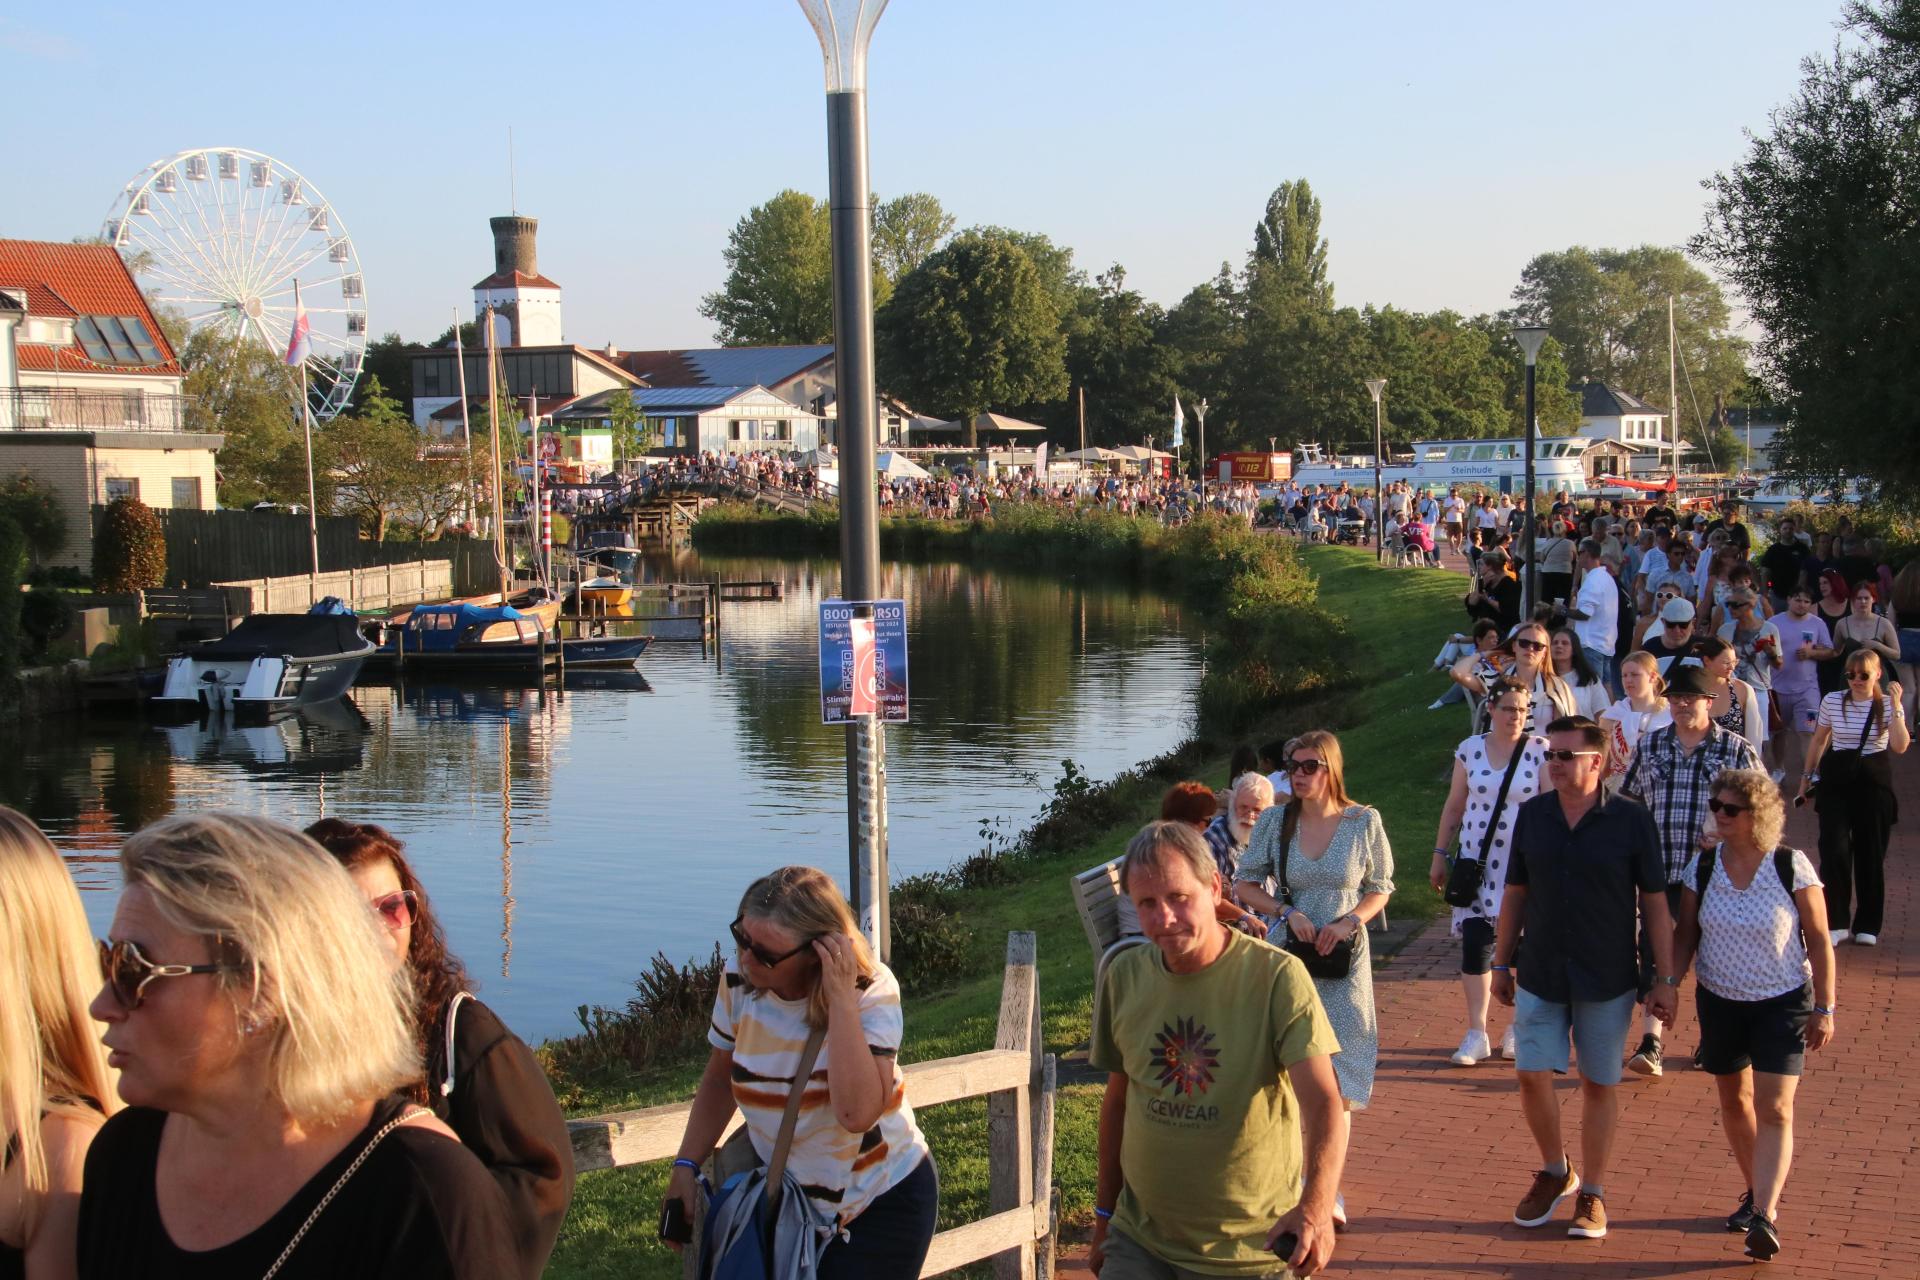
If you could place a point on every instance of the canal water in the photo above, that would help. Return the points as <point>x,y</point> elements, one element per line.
<point>567,835</point>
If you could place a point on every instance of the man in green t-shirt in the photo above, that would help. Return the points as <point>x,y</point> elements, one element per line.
<point>1217,1053</point>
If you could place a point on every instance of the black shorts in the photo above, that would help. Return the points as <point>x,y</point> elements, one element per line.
<point>1476,945</point>
<point>1767,1035</point>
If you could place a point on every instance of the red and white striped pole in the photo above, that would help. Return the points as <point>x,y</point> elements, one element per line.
<point>546,524</point>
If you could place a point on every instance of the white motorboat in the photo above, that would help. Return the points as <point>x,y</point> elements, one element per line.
<point>268,665</point>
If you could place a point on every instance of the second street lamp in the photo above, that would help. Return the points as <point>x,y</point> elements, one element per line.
<point>1530,337</point>
<point>1376,387</point>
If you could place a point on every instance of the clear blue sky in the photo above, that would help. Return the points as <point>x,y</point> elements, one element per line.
<point>1448,142</point>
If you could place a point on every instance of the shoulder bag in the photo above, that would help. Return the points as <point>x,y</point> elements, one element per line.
<point>1464,877</point>
<point>1336,963</point>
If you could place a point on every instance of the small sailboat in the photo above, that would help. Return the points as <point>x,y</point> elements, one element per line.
<point>464,635</point>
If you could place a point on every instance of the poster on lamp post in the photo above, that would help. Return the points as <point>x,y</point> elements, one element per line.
<point>863,660</point>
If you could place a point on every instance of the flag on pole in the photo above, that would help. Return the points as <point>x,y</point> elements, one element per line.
<point>1040,463</point>
<point>1179,422</point>
<point>299,343</point>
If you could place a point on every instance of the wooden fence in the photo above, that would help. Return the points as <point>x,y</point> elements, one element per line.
<point>1015,1077</point>
<point>204,547</point>
<point>383,586</point>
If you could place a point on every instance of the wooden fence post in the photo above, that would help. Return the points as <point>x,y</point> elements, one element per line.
<point>1010,1112</point>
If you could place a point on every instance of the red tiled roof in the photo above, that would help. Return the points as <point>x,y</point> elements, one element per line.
<point>515,279</point>
<point>69,280</point>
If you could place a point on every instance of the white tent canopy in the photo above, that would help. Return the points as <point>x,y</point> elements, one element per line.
<point>897,466</point>
<point>1097,453</point>
<point>1138,453</point>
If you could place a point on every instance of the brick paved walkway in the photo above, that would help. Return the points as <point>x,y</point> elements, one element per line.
<point>1443,1154</point>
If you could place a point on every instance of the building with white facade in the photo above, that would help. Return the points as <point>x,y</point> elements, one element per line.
<point>91,399</point>
<point>1639,428</point>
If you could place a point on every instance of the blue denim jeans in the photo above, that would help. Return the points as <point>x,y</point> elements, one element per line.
<point>1603,664</point>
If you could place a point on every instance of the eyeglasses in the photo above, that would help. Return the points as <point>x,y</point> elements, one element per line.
<point>1531,646</point>
<point>1568,757</point>
<point>760,953</point>
<point>1726,810</point>
<point>127,972</point>
<point>1859,676</point>
<point>1513,708</point>
<point>1305,768</point>
<point>398,910</point>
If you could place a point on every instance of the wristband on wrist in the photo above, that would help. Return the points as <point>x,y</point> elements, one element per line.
<point>681,1162</point>
<point>1102,1214</point>
<point>1825,1012</point>
<point>1503,968</point>
<point>1439,851</point>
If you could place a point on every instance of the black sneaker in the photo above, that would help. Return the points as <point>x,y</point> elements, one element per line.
<point>1742,1218</point>
<point>1762,1240</point>
<point>1646,1059</point>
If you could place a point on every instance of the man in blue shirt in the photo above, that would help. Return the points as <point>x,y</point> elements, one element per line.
<point>1584,869</point>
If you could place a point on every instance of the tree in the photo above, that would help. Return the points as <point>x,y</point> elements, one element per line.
<point>631,437</point>
<point>1815,228</point>
<point>239,388</point>
<point>1288,248</point>
<point>375,458</point>
<point>1200,337</point>
<point>779,286</point>
<point>388,361</point>
<point>906,229</point>
<point>1113,351</point>
<point>1608,309</point>
<point>970,328</point>
<point>130,549</point>
<point>32,529</point>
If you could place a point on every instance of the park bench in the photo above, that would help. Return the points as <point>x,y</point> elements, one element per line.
<point>1108,917</point>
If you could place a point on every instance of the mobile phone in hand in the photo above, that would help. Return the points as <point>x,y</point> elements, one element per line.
<point>674,1226</point>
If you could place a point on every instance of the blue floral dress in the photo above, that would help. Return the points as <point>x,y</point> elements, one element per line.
<point>1358,861</point>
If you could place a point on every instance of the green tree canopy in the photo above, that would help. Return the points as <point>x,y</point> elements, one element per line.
<point>240,389</point>
<point>906,230</point>
<point>1608,310</point>
<point>971,328</point>
<point>1816,229</point>
<point>1288,249</point>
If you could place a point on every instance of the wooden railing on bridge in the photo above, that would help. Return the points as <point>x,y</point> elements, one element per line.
<point>1015,1077</point>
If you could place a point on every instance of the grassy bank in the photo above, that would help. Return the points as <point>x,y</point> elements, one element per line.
<point>1375,694</point>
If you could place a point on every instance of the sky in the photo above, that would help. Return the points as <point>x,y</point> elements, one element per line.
<point>1448,143</point>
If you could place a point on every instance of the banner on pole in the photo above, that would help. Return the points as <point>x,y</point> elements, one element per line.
<point>863,660</point>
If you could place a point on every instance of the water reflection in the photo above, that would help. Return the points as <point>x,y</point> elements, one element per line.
<point>567,833</point>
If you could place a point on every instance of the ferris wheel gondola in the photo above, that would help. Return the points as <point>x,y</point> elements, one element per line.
<point>220,235</point>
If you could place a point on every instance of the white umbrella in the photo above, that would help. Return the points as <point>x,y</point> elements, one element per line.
<point>896,466</point>
<point>1097,453</point>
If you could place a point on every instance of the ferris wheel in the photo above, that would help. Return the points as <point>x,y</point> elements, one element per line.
<point>220,235</point>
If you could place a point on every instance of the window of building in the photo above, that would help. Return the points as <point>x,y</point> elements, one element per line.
<point>186,493</point>
<point>736,429</point>
<point>122,487</point>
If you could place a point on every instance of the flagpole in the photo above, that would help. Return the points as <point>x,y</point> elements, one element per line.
<point>466,428</point>
<point>313,518</point>
<point>493,423</point>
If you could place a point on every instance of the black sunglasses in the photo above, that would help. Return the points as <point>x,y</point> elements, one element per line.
<point>1859,675</point>
<point>1567,757</point>
<point>1729,810</point>
<point>127,972</point>
<point>1305,767</point>
<point>1531,646</point>
<point>759,952</point>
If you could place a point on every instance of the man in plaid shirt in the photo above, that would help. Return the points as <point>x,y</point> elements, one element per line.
<point>1672,774</point>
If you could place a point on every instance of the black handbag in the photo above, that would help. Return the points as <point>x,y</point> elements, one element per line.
<point>1338,962</point>
<point>1464,877</point>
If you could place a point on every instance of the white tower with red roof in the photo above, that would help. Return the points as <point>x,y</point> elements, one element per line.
<point>526,305</point>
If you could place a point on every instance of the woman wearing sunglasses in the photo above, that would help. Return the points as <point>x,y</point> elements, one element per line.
<point>1850,760</point>
<point>1475,803</point>
<point>55,1086</point>
<point>1530,662</point>
<point>261,1031</point>
<point>1752,915</point>
<point>480,1079</point>
<point>801,965</point>
<point>1338,869</point>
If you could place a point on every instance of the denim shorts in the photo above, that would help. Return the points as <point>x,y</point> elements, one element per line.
<point>1596,1029</point>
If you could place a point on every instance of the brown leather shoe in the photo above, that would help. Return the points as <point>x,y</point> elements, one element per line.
<point>1589,1218</point>
<point>1548,1190</point>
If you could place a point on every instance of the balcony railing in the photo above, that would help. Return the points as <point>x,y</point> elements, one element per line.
<point>66,409</point>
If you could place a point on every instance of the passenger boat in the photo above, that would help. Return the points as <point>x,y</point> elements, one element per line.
<point>1498,466</point>
<point>469,636</point>
<point>1779,493</point>
<point>270,664</point>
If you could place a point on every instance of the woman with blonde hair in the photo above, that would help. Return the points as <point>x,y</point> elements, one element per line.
<point>802,977</point>
<point>1752,913</point>
<point>1632,717</point>
<point>1332,859</point>
<point>261,1029</point>
<point>55,1086</point>
<point>1850,761</point>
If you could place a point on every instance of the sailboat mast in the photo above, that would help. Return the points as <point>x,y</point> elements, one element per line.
<point>1673,400</point>
<point>466,427</point>
<point>493,423</point>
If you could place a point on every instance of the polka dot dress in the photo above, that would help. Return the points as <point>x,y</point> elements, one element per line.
<point>1483,787</point>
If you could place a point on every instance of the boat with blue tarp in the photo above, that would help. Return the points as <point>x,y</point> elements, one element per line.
<point>466,635</point>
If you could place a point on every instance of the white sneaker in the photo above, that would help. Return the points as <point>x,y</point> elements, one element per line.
<point>1779,776</point>
<point>1866,939</point>
<point>1841,935</point>
<point>1473,1047</point>
<point>1506,1044</point>
<point>1435,705</point>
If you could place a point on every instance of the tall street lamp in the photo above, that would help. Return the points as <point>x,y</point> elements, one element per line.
<point>1201,410</point>
<point>845,27</point>
<point>1530,337</point>
<point>1376,387</point>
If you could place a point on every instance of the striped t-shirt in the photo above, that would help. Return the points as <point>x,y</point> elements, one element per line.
<point>842,1172</point>
<point>1848,720</point>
